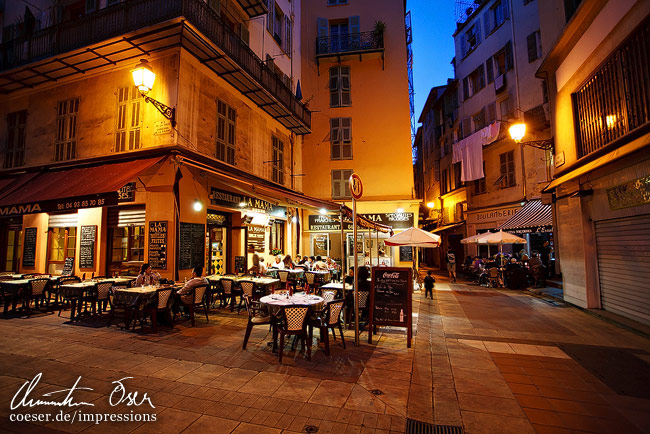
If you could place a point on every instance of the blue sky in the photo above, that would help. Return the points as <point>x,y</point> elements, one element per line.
<point>433,46</point>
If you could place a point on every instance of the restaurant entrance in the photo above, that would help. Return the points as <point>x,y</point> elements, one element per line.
<point>218,232</point>
<point>11,237</point>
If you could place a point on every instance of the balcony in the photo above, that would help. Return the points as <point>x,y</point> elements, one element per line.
<point>121,34</point>
<point>254,8</point>
<point>352,44</point>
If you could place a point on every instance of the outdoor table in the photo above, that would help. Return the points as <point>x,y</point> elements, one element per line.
<point>275,301</point>
<point>263,284</point>
<point>74,292</point>
<point>293,272</point>
<point>117,281</point>
<point>135,299</point>
<point>13,288</point>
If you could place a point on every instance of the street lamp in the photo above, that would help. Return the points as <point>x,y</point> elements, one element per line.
<point>143,78</point>
<point>517,132</point>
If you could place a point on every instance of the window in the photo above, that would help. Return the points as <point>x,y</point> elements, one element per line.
<point>341,138</point>
<point>489,67</point>
<point>471,39</point>
<point>340,86</point>
<point>287,35</point>
<point>534,47</point>
<point>127,244</point>
<point>270,7</point>
<point>341,184</point>
<point>129,119</point>
<point>503,60</point>
<point>570,7</point>
<point>278,23</point>
<point>507,169</point>
<point>479,120</point>
<point>15,150</point>
<point>499,12</point>
<point>336,2</point>
<point>91,6</point>
<point>62,244</point>
<point>479,184</point>
<point>491,110</point>
<point>277,235</point>
<point>444,182</point>
<point>504,107</point>
<point>226,132</point>
<point>65,145</point>
<point>457,172</point>
<point>277,167</point>
<point>474,82</point>
<point>466,127</point>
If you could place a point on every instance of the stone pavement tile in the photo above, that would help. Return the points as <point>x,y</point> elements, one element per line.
<point>264,383</point>
<point>331,413</point>
<point>233,379</point>
<point>489,405</point>
<point>344,416</point>
<point>247,428</point>
<point>176,370</point>
<point>298,423</point>
<point>480,387</point>
<point>553,352</point>
<point>529,350</point>
<point>383,421</point>
<point>332,393</point>
<point>571,394</point>
<point>538,402</point>
<point>248,415</point>
<point>260,416</point>
<point>498,347</point>
<point>545,429</point>
<point>203,374</point>
<point>297,388</point>
<point>481,423</point>
<point>517,378</point>
<point>447,411</point>
<point>211,424</point>
<point>170,421</point>
<point>353,429</point>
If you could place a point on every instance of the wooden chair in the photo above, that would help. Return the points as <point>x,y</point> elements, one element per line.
<point>161,303</point>
<point>292,322</point>
<point>255,316</point>
<point>197,300</point>
<point>330,318</point>
<point>37,289</point>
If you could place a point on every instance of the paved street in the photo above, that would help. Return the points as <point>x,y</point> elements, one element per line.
<point>493,361</point>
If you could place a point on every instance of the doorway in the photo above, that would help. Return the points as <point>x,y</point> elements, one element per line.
<point>219,249</point>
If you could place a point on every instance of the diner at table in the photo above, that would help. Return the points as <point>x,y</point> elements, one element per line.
<point>147,276</point>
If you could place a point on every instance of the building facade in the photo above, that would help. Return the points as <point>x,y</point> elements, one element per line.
<point>354,79</point>
<point>597,73</point>
<point>102,178</point>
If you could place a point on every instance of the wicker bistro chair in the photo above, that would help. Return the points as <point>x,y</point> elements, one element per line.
<point>364,311</point>
<point>62,298</point>
<point>161,303</point>
<point>101,295</point>
<point>255,316</point>
<point>214,293</point>
<point>229,294</point>
<point>292,322</point>
<point>248,289</point>
<point>118,306</point>
<point>330,318</point>
<point>37,290</point>
<point>198,300</point>
<point>311,281</point>
<point>329,294</point>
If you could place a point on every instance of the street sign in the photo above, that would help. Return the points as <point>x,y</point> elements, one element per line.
<point>356,186</point>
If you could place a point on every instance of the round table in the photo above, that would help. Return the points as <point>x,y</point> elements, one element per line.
<point>276,301</point>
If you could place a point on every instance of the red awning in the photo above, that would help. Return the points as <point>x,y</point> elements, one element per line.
<point>78,185</point>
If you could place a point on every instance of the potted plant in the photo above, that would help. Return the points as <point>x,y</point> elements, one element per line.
<point>378,32</point>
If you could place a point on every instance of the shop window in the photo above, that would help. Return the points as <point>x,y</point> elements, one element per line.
<point>277,235</point>
<point>341,184</point>
<point>14,248</point>
<point>127,244</point>
<point>62,244</point>
<point>507,170</point>
<point>277,167</point>
<point>226,132</point>
<point>65,144</point>
<point>339,85</point>
<point>341,138</point>
<point>128,119</point>
<point>15,150</point>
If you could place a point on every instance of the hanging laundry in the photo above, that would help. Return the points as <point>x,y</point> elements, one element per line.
<point>469,152</point>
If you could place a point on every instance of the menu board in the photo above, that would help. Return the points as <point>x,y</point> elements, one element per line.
<point>390,299</point>
<point>87,243</point>
<point>240,264</point>
<point>157,253</point>
<point>68,266</point>
<point>192,245</point>
<point>256,237</point>
<point>29,249</point>
<point>405,253</point>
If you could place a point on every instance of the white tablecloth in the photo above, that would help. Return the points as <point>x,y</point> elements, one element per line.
<point>275,301</point>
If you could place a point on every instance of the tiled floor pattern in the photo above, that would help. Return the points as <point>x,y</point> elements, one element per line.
<point>484,359</point>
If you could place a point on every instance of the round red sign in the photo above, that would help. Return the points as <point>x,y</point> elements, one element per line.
<point>356,186</point>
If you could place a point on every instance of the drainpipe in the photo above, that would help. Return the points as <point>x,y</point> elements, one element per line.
<point>516,66</point>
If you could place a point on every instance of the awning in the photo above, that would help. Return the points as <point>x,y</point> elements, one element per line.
<point>624,150</point>
<point>533,217</point>
<point>367,224</point>
<point>444,228</point>
<point>71,189</point>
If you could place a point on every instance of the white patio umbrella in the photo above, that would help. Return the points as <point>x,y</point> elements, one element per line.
<point>414,237</point>
<point>474,238</point>
<point>500,238</point>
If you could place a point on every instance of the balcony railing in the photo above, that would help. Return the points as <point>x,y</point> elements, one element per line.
<point>349,44</point>
<point>132,16</point>
<point>616,99</point>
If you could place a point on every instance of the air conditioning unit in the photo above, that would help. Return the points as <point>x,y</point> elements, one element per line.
<point>499,83</point>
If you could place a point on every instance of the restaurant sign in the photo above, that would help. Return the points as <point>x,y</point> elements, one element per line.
<point>324,223</point>
<point>90,201</point>
<point>241,201</point>
<point>633,193</point>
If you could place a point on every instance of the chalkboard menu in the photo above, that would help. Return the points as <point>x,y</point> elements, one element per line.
<point>406,253</point>
<point>87,247</point>
<point>29,249</point>
<point>192,245</point>
<point>68,266</point>
<point>240,264</point>
<point>256,236</point>
<point>390,299</point>
<point>157,253</point>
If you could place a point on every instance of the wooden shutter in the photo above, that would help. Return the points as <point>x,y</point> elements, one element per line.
<point>623,250</point>
<point>344,77</point>
<point>489,66</point>
<point>287,35</point>
<point>509,62</point>
<point>322,27</point>
<point>346,138</point>
<point>335,138</point>
<point>531,44</point>
<point>270,16</point>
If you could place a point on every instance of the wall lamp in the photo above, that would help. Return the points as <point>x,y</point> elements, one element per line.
<point>517,132</point>
<point>143,78</point>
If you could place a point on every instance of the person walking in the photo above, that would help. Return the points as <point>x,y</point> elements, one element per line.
<point>428,284</point>
<point>451,265</point>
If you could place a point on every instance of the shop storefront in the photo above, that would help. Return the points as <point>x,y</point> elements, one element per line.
<point>534,223</point>
<point>481,221</point>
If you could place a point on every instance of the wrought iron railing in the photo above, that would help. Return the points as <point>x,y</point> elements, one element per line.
<point>616,99</point>
<point>132,15</point>
<point>354,42</point>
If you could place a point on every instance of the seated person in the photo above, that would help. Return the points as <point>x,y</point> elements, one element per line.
<point>278,263</point>
<point>258,266</point>
<point>147,276</point>
<point>349,279</point>
<point>185,293</point>
<point>534,261</point>
<point>320,265</point>
<point>287,262</point>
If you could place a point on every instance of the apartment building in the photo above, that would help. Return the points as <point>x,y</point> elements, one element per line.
<point>597,74</point>
<point>355,82</point>
<point>197,169</point>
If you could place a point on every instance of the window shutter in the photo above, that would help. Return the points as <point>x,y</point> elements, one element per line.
<point>463,49</point>
<point>355,24</point>
<point>509,62</point>
<point>481,76</point>
<point>531,43</point>
<point>287,35</point>
<point>270,15</point>
<point>322,27</point>
<point>346,129</point>
<point>244,34</point>
<point>491,112</point>
<point>477,29</point>
<point>489,65</point>
<point>465,88</point>
<point>486,23</point>
<point>506,12</point>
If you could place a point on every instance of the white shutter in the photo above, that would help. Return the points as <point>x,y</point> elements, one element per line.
<point>122,217</point>
<point>623,250</point>
<point>63,220</point>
